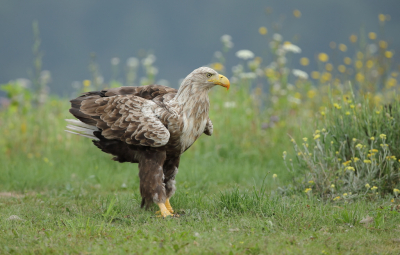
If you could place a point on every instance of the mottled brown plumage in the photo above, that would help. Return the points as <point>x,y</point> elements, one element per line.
<point>150,125</point>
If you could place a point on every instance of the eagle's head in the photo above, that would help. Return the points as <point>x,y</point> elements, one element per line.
<point>203,79</point>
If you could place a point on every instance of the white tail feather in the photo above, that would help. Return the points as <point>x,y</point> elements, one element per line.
<point>79,128</point>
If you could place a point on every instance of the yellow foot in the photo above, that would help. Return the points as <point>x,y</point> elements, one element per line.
<point>169,207</point>
<point>164,211</point>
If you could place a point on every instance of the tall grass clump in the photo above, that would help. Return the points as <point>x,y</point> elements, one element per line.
<point>355,152</point>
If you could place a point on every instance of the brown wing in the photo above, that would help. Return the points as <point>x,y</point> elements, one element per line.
<point>128,118</point>
<point>148,92</point>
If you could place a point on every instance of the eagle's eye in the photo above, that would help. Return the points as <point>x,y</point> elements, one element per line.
<point>209,75</point>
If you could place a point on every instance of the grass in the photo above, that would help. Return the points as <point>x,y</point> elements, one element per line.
<point>71,198</point>
<point>102,222</point>
<point>60,194</point>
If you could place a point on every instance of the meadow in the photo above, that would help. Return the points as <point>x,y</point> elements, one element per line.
<point>299,162</point>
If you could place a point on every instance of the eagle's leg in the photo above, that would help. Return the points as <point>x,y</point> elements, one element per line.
<point>170,170</point>
<point>152,187</point>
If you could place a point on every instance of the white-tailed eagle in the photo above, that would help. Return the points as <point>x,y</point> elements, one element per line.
<point>151,125</point>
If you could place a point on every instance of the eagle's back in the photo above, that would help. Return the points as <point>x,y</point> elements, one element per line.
<point>102,109</point>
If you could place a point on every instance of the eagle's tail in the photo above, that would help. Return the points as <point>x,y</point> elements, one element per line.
<point>77,127</point>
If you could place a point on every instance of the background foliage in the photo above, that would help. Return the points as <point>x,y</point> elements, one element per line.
<point>307,156</point>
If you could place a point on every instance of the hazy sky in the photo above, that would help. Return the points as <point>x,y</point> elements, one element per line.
<point>183,35</point>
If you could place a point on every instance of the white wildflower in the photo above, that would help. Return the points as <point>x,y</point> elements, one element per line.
<point>273,44</point>
<point>163,82</point>
<point>23,82</point>
<point>132,62</point>
<point>230,104</point>
<point>291,48</point>
<point>226,38</point>
<point>281,60</point>
<point>45,76</point>
<point>248,75</point>
<point>280,52</point>
<point>277,37</point>
<point>237,69</point>
<point>300,74</point>
<point>149,60</point>
<point>245,54</point>
<point>294,100</point>
<point>218,54</point>
<point>152,70</point>
<point>99,79</point>
<point>124,186</point>
<point>227,41</point>
<point>114,61</point>
<point>260,72</point>
<point>372,48</point>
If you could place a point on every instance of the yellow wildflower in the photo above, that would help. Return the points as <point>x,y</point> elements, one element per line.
<point>336,198</point>
<point>396,191</point>
<point>382,136</point>
<point>311,182</point>
<point>347,113</point>
<point>359,146</point>
<point>297,13</point>
<point>315,75</point>
<point>345,194</point>
<point>342,68</point>
<point>360,77</point>
<point>337,106</point>
<point>307,190</point>
<point>304,61</point>
<point>359,64</point>
<point>350,168</point>
<point>263,30</point>
<point>382,17</point>
<point>342,47</point>
<point>274,176</point>
<point>311,93</point>
<point>347,162</point>
<point>329,67</point>
<point>352,106</point>
<point>353,38</point>
<point>367,161</point>
<point>388,54</point>
<point>372,138</point>
<point>383,44</point>
<point>218,66</point>
<point>374,188</point>
<point>347,60</point>
<point>316,137</point>
<point>370,64</point>
<point>367,186</point>
<point>86,83</point>
<point>372,35</point>
<point>305,139</point>
<point>323,57</point>
<point>355,159</point>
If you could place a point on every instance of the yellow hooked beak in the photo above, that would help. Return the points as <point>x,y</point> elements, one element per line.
<point>222,80</point>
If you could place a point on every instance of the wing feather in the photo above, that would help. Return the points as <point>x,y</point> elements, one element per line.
<point>129,118</point>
